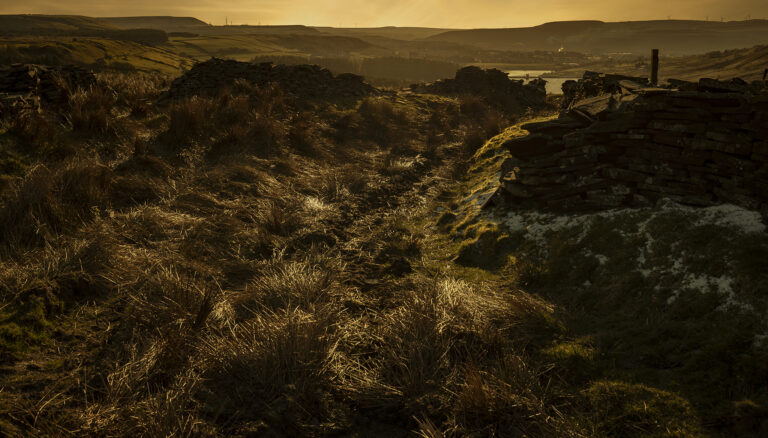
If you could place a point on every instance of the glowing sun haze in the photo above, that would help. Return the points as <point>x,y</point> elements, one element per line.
<point>431,13</point>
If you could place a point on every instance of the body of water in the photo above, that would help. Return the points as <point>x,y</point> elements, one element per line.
<point>554,85</point>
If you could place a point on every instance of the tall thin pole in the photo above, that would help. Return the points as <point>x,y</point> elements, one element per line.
<point>655,67</point>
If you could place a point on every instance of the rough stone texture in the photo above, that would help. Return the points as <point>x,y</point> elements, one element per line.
<point>700,144</point>
<point>493,85</point>
<point>595,84</point>
<point>26,86</point>
<point>304,80</point>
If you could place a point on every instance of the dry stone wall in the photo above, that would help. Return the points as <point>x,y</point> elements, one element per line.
<point>698,144</point>
<point>26,86</point>
<point>303,80</point>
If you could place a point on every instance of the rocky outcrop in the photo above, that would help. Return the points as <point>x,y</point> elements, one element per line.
<point>28,86</point>
<point>493,85</point>
<point>699,144</point>
<point>214,75</point>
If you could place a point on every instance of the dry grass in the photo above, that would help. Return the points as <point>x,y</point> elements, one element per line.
<point>274,355</point>
<point>34,130</point>
<point>47,201</point>
<point>256,269</point>
<point>292,285</point>
<point>90,111</point>
<point>190,118</point>
<point>135,91</point>
<point>230,124</point>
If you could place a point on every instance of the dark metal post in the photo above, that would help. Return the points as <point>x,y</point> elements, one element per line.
<point>655,67</point>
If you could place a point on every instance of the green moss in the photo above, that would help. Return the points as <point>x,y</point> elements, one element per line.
<point>12,165</point>
<point>53,365</point>
<point>628,410</point>
<point>12,337</point>
<point>25,326</point>
<point>578,348</point>
<point>487,247</point>
<point>574,358</point>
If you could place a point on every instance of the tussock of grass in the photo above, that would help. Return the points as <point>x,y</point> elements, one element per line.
<point>47,200</point>
<point>273,359</point>
<point>637,411</point>
<point>135,91</point>
<point>293,285</point>
<point>38,131</point>
<point>89,111</point>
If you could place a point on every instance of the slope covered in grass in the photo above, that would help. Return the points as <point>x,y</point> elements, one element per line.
<point>99,53</point>
<point>744,63</point>
<point>247,46</point>
<point>248,263</point>
<point>676,37</point>
<point>251,262</point>
<point>51,24</point>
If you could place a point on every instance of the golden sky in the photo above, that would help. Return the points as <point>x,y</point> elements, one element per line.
<point>431,13</point>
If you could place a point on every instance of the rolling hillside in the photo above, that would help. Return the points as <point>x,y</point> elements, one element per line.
<point>671,36</point>
<point>98,53</point>
<point>194,25</point>
<point>393,32</point>
<point>748,64</point>
<point>161,23</point>
<point>245,47</point>
<point>51,24</point>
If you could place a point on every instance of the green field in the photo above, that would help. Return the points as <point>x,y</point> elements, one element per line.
<point>99,53</point>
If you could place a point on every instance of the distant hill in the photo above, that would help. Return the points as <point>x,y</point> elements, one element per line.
<point>292,29</point>
<point>73,25</point>
<point>52,24</point>
<point>674,37</point>
<point>193,25</point>
<point>244,47</point>
<point>748,64</point>
<point>166,23</point>
<point>393,32</point>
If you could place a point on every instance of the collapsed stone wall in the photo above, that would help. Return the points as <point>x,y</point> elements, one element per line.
<point>594,84</point>
<point>26,86</point>
<point>493,85</point>
<point>705,145</point>
<point>304,80</point>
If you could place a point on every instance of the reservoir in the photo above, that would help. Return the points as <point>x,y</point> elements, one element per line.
<point>554,85</point>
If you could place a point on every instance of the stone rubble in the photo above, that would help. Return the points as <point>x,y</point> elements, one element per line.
<point>595,84</point>
<point>698,144</point>
<point>27,86</point>
<point>493,85</point>
<point>215,74</point>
